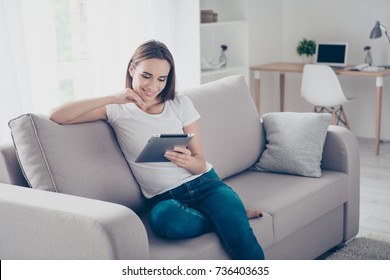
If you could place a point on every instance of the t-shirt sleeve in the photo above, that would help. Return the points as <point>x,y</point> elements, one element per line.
<point>113,111</point>
<point>188,111</point>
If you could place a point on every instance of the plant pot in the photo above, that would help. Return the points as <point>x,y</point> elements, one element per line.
<point>307,59</point>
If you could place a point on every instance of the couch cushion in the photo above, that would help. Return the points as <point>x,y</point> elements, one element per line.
<point>228,119</point>
<point>81,159</point>
<point>10,172</point>
<point>292,201</point>
<point>206,246</point>
<point>294,143</point>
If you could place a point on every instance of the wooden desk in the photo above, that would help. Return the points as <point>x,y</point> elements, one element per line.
<point>286,67</point>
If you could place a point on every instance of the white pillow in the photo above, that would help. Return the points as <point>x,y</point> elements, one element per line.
<point>294,143</point>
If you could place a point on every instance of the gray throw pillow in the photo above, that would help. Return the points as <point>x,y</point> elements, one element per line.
<point>80,159</point>
<point>294,143</point>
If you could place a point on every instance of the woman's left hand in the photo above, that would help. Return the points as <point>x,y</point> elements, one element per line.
<point>181,156</point>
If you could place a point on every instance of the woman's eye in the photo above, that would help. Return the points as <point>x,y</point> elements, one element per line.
<point>146,76</point>
<point>162,79</point>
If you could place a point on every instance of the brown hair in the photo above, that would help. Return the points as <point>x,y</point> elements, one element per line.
<point>154,49</point>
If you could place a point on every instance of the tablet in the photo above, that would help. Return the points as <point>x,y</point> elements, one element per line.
<point>158,144</point>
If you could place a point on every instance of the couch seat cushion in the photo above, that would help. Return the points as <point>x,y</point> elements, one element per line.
<point>204,247</point>
<point>292,201</point>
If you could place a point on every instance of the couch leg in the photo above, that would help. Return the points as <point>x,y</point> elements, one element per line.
<point>343,244</point>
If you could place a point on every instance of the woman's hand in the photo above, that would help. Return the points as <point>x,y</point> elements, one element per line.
<point>181,156</point>
<point>129,96</point>
<point>93,109</point>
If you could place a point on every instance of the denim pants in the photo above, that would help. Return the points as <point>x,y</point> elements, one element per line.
<point>202,205</point>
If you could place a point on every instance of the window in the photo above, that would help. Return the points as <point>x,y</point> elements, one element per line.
<point>73,48</point>
<point>54,51</point>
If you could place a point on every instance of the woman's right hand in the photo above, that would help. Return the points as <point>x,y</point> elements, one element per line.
<point>129,96</point>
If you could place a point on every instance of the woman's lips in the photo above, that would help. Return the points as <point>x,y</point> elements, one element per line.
<point>149,93</point>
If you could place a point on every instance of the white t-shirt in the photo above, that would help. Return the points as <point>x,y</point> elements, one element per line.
<point>133,128</point>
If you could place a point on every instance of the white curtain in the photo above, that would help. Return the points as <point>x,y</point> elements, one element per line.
<point>14,90</point>
<point>28,80</point>
<point>29,71</point>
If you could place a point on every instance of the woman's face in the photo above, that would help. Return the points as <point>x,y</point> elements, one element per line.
<point>149,78</point>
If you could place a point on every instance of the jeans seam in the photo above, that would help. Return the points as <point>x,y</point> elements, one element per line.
<point>217,230</point>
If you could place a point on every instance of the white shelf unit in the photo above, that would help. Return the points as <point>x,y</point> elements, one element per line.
<point>231,29</point>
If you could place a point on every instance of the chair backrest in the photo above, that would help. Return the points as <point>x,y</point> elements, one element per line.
<point>321,87</point>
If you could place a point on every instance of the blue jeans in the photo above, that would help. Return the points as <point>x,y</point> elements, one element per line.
<point>202,205</point>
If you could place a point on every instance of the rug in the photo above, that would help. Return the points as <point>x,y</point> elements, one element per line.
<point>366,246</point>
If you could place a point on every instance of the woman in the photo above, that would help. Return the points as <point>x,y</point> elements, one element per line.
<point>188,196</point>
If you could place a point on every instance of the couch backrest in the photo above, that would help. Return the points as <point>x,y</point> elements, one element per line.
<point>232,136</point>
<point>85,159</point>
<point>81,159</point>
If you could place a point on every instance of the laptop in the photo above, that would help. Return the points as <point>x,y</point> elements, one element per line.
<point>332,54</point>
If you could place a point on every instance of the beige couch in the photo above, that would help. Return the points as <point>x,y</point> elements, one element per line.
<point>85,203</point>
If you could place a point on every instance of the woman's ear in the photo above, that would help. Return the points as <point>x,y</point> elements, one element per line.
<point>131,69</point>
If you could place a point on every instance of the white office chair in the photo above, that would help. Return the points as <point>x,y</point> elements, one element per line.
<point>321,87</point>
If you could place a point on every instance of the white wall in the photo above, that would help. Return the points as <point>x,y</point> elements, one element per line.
<point>265,24</point>
<point>282,23</point>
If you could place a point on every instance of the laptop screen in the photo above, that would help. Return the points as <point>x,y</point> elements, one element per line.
<point>332,54</point>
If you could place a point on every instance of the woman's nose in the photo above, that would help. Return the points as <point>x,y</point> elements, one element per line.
<point>153,85</point>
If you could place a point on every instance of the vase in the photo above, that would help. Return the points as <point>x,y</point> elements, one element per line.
<point>368,58</point>
<point>222,59</point>
<point>307,59</point>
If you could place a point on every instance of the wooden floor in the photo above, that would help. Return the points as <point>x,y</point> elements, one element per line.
<point>374,187</point>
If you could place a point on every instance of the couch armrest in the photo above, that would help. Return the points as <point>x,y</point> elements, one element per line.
<point>39,224</point>
<point>10,171</point>
<point>341,153</point>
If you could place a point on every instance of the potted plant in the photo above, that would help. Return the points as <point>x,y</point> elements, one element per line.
<point>306,48</point>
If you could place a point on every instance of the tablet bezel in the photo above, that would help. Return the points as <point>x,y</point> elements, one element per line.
<point>158,144</point>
